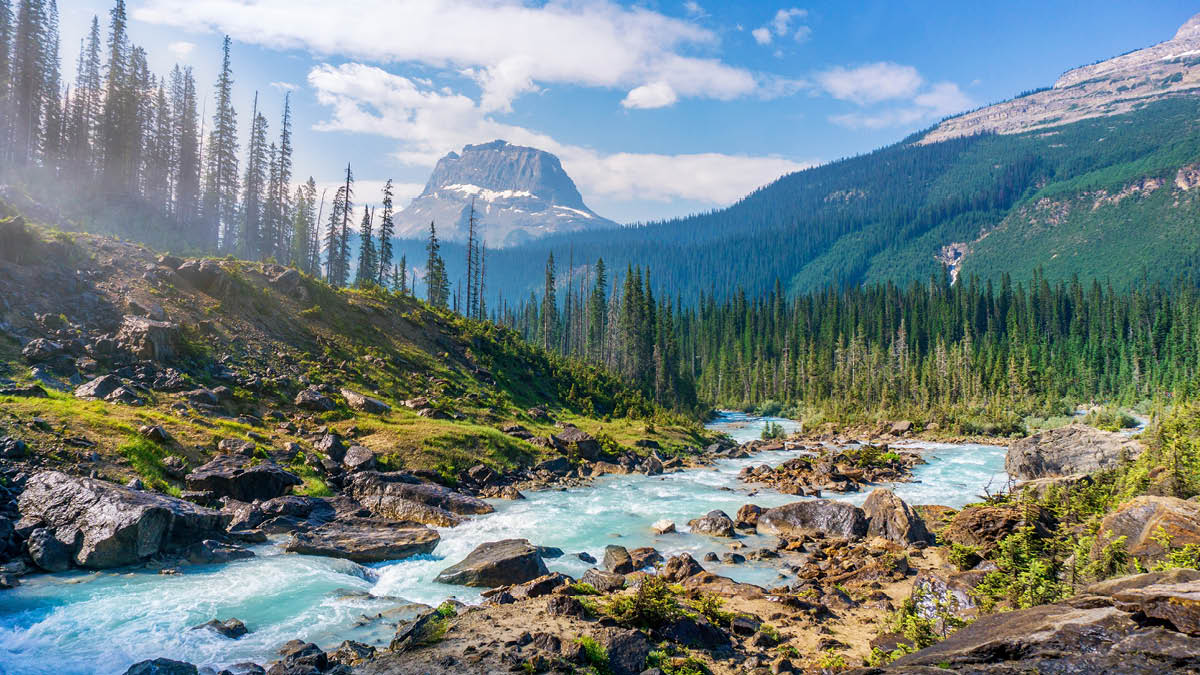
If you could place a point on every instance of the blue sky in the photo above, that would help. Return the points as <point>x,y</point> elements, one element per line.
<point>656,108</point>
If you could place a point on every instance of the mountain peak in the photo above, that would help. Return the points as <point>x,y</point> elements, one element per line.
<point>520,193</point>
<point>1190,29</point>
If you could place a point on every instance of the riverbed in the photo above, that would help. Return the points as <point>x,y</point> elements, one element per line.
<point>101,622</point>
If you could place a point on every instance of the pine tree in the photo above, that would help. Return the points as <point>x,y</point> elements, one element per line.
<point>368,273</point>
<point>250,240</point>
<point>28,88</point>
<point>343,276</point>
<point>401,284</point>
<point>387,229</point>
<point>472,259</point>
<point>6,39</point>
<point>186,138</point>
<point>219,205</point>
<point>53,135</point>
<point>116,127</point>
<point>549,307</point>
<point>281,208</point>
<point>85,112</point>
<point>437,291</point>
<point>332,243</point>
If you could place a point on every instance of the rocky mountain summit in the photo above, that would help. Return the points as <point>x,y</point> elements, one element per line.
<point>520,193</point>
<point>1110,87</point>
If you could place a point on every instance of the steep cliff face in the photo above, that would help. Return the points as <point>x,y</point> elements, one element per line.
<point>519,194</point>
<point>1110,87</point>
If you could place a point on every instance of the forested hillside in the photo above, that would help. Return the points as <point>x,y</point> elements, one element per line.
<point>1108,198</point>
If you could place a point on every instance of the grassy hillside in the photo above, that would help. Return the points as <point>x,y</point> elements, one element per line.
<point>266,337</point>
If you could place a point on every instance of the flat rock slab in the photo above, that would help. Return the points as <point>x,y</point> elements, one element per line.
<point>399,496</point>
<point>1073,449</point>
<point>496,563</point>
<point>365,540</point>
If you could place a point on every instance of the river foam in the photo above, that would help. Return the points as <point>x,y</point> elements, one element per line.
<point>83,623</point>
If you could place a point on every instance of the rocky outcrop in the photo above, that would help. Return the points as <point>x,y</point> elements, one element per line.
<point>205,275</point>
<point>399,496</point>
<point>162,667</point>
<point>364,403</point>
<point>98,388</point>
<point>715,524</point>
<point>496,563</point>
<point>312,399</point>
<point>577,443</point>
<point>816,516</point>
<point>242,478</point>
<point>1070,450</point>
<point>365,540</point>
<point>984,526</point>
<point>1138,625</point>
<point>105,525</point>
<point>1150,525</point>
<point>889,517</point>
<point>148,339</point>
<point>617,560</point>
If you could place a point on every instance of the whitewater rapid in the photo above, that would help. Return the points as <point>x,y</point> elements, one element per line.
<point>102,622</point>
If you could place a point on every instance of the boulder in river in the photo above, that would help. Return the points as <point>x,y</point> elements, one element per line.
<point>496,563</point>
<point>162,667</point>
<point>1143,521</point>
<point>747,517</point>
<point>663,526</point>
<point>617,560</point>
<point>716,524</point>
<point>365,540</point>
<point>890,517</point>
<point>230,628</point>
<point>815,516</point>
<point>109,525</point>
<point>1069,450</point>
<point>680,567</point>
<point>240,477</point>
<point>400,496</point>
<point>47,552</point>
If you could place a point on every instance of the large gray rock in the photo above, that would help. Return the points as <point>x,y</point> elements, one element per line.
<point>237,476</point>
<point>1066,451</point>
<point>365,403</point>
<point>365,540</point>
<point>311,398</point>
<point>399,496</point>
<point>715,524</point>
<point>149,339</point>
<point>889,517</point>
<point>162,667</point>
<point>98,388</point>
<point>496,563</point>
<point>47,552</point>
<point>206,275</point>
<point>577,443</point>
<point>109,525</point>
<point>815,516</point>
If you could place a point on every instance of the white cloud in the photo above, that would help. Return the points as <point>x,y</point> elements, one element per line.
<point>762,35</point>
<point>871,83</point>
<point>803,33</point>
<point>654,95</point>
<point>508,46</point>
<point>428,123</point>
<point>937,101</point>
<point>783,19</point>
<point>180,50</point>
<point>694,9</point>
<point>284,86</point>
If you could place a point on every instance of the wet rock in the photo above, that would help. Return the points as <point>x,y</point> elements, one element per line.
<point>890,517</point>
<point>149,339</point>
<point>99,388</point>
<point>483,475</point>
<point>359,458</point>
<point>365,540</point>
<point>239,477</point>
<point>47,552</point>
<point>211,551</point>
<point>244,668</point>
<point>541,586</point>
<point>162,667</point>
<point>680,567</point>
<point>109,525</point>
<point>715,524</point>
<point>230,628</point>
<point>586,557</point>
<point>645,556</point>
<point>663,527</point>
<point>1073,449</point>
<point>559,466</point>
<point>300,658</point>
<point>496,563</point>
<point>365,404</point>
<point>817,516</point>
<point>747,517</point>
<point>617,560</point>
<point>605,582</point>
<point>399,496</point>
<point>312,399</point>
<point>1142,521</point>
<point>351,653</point>
<point>652,466</point>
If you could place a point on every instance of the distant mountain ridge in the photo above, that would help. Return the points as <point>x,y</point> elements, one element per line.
<point>1110,87</point>
<point>520,194</point>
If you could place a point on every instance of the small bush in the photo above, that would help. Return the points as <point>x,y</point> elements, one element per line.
<point>595,654</point>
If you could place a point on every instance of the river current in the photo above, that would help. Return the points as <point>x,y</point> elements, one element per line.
<point>102,622</point>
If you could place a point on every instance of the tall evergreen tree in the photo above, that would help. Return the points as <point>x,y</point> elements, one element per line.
<point>332,245</point>
<point>29,77</point>
<point>186,135</point>
<point>6,40</point>
<point>367,273</point>
<point>250,241</point>
<point>387,230</point>
<point>219,204</point>
<point>549,313</point>
<point>437,291</point>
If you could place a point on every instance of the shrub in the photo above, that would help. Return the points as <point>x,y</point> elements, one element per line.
<point>652,605</point>
<point>595,654</point>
